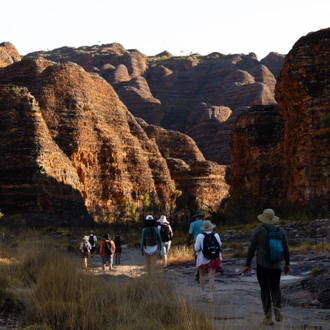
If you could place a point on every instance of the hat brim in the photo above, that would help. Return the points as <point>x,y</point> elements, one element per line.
<point>208,228</point>
<point>162,221</point>
<point>267,221</point>
<point>198,215</point>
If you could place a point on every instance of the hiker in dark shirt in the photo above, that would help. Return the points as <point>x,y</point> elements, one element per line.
<point>268,274</point>
<point>119,249</point>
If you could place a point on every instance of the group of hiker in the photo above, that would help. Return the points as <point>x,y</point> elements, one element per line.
<point>109,249</point>
<point>156,234</point>
<point>267,239</point>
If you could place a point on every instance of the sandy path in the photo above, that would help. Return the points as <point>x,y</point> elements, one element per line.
<point>237,304</point>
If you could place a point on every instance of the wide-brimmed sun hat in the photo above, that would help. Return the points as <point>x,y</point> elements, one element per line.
<point>85,238</point>
<point>268,217</point>
<point>207,225</point>
<point>149,217</point>
<point>162,219</point>
<point>199,213</point>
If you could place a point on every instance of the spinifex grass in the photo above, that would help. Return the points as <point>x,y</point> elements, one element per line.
<point>48,291</point>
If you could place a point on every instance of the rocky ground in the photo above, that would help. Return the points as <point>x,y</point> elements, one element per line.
<point>237,304</point>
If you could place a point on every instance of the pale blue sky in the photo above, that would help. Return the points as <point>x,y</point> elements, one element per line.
<point>178,26</point>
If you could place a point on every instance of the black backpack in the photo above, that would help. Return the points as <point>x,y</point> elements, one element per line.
<point>118,240</point>
<point>91,239</point>
<point>274,245</point>
<point>107,248</point>
<point>166,233</point>
<point>150,236</point>
<point>211,247</point>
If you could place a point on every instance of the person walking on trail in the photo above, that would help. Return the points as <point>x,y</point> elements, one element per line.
<point>85,249</point>
<point>194,230</point>
<point>118,244</point>
<point>207,247</point>
<point>166,234</point>
<point>107,249</point>
<point>92,240</point>
<point>268,273</point>
<point>150,242</point>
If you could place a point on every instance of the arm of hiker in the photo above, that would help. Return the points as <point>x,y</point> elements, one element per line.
<point>113,247</point>
<point>198,243</point>
<point>287,269</point>
<point>142,242</point>
<point>286,253</point>
<point>159,238</point>
<point>251,251</point>
<point>189,237</point>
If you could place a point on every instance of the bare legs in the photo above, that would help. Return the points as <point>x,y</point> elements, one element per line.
<point>211,274</point>
<point>151,263</point>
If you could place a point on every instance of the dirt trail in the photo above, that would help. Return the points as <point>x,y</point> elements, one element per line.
<point>237,304</point>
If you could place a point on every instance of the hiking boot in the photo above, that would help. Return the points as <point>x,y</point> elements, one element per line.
<point>278,315</point>
<point>267,321</point>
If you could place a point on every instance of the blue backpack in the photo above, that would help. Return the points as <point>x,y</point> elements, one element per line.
<point>274,245</point>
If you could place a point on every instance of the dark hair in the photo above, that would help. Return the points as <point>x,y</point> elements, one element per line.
<point>150,223</point>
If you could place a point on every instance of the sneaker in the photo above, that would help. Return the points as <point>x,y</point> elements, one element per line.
<point>203,296</point>
<point>267,321</point>
<point>278,315</point>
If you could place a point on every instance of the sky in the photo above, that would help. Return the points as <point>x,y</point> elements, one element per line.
<point>178,26</point>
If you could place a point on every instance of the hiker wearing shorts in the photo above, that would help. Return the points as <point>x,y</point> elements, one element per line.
<point>166,239</point>
<point>150,243</point>
<point>107,249</point>
<point>204,264</point>
<point>92,240</point>
<point>85,249</point>
<point>268,274</point>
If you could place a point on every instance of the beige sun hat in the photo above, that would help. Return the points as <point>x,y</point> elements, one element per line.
<point>162,219</point>
<point>268,217</point>
<point>207,225</point>
<point>85,238</point>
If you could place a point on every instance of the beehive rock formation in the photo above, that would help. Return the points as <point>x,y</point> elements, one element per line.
<point>280,155</point>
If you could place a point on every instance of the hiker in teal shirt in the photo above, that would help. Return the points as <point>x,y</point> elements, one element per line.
<point>195,226</point>
<point>194,230</point>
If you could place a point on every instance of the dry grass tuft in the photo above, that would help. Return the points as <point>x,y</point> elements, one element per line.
<point>48,291</point>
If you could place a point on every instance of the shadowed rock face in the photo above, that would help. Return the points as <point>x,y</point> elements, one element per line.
<point>36,177</point>
<point>303,95</point>
<point>258,174</point>
<point>281,156</point>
